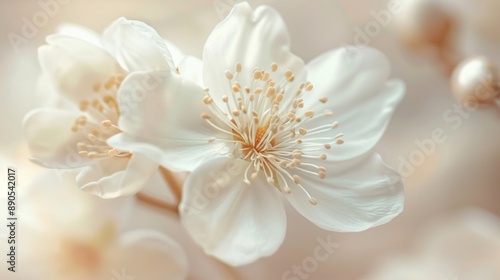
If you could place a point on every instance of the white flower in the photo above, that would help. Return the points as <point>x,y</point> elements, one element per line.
<point>83,73</point>
<point>66,234</point>
<point>260,130</point>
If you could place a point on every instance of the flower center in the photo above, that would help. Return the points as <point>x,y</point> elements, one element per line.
<point>104,109</point>
<point>266,123</point>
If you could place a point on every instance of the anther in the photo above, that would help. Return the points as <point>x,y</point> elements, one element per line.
<point>107,123</point>
<point>238,67</point>
<point>205,116</point>
<point>309,114</point>
<point>96,87</point>
<point>229,75</point>
<point>84,105</point>
<point>313,201</point>
<point>257,75</point>
<point>208,100</point>
<point>322,157</point>
<point>81,145</point>
<point>296,179</point>
<point>339,142</point>
<point>328,146</point>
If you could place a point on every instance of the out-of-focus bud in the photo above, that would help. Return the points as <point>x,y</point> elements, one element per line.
<point>422,24</point>
<point>475,80</point>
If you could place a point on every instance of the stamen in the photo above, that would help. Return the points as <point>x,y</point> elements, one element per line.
<point>264,124</point>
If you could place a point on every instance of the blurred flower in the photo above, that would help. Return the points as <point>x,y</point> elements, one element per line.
<point>465,246</point>
<point>264,130</point>
<point>84,72</point>
<point>85,237</point>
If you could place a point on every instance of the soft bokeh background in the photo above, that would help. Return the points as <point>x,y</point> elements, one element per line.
<point>459,173</point>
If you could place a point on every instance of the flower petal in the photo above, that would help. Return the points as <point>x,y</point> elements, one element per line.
<point>50,139</point>
<point>192,68</point>
<point>355,81</point>
<point>161,119</point>
<point>76,66</point>
<point>115,177</point>
<point>256,39</point>
<point>80,32</point>
<point>355,195</point>
<point>144,254</point>
<point>235,222</point>
<point>137,46</point>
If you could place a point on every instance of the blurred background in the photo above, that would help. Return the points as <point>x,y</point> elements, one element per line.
<point>452,186</point>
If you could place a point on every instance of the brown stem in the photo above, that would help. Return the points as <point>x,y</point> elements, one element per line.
<point>173,182</point>
<point>157,203</point>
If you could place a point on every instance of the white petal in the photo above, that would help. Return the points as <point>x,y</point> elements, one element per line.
<point>80,32</point>
<point>137,46</point>
<point>355,81</point>
<point>115,177</point>
<point>256,39</point>
<point>161,119</point>
<point>192,68</point>
<point>149,255</point>
<point>235,222</point>
<point>177,54</point>
<point>76,66</point>
<point>50,139</point>
<point>355,195</point>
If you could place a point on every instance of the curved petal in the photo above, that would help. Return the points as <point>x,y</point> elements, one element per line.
<point>192,68</point>
<point>143,254</point>
<point>235,222</point>
<point>51,141</point>
<point>75,67</point>
<point>80,32</point>
<point>161,119</point>
<point>355,195</point>
<point>177,54</point>
<point>115,177</point>
<point>137,46</point>
<point>355,81</point>
<point>256,39</point>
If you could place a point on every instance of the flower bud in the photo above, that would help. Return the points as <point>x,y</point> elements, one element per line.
<point>423,23</point>
<point>475,80</point>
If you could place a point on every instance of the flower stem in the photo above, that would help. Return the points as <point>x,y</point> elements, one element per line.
<point>173,182</point>
<point>157,203</point>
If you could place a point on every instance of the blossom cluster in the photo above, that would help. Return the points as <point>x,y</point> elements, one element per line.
<point>253,124</point>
